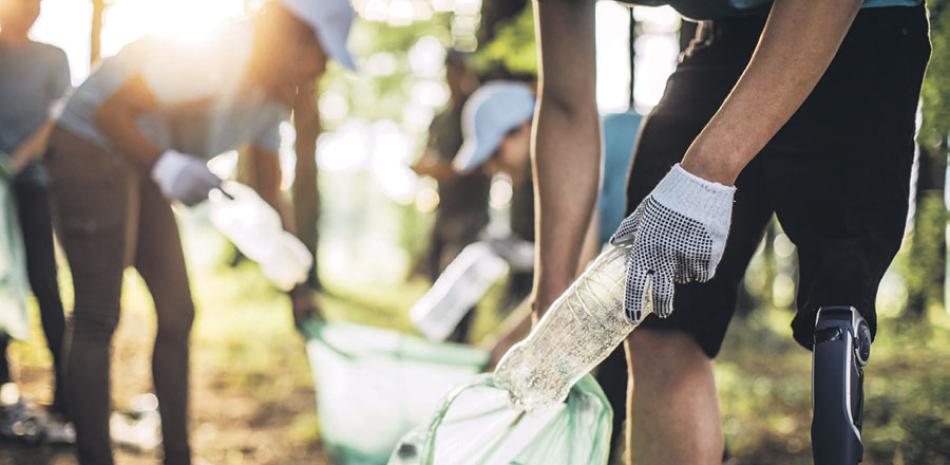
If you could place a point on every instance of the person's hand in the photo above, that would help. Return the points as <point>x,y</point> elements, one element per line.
<point>17,164</point>
<point>676,235</point>
<point>303,305</point>
<point>183,178</point>
<point>431,165</point>
<point>425,166</point>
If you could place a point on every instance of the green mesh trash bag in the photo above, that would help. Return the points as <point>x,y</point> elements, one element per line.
<point>477,425</point>
<point>13,283</point>
<point>374,385</point>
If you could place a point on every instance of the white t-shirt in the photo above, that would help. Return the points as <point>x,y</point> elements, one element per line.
<point>205,106</point>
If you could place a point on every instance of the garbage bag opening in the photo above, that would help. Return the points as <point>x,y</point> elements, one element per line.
<point>478,425</point>
<point>374,385</point>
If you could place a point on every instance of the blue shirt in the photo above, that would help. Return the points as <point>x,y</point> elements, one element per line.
<point>33,78</point>
<point>620,136</point>
<point>205,104</point>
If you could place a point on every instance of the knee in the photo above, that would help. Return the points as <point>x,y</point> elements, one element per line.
<point>94,326</point>
<point>665,356</point>
<point>44,284</point>
<point>176,323</point>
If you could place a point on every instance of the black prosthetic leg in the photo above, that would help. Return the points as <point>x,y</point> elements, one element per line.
<point>842,348</point>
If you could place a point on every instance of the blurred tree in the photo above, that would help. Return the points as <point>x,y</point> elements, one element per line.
<point>511,51</point>
<point>95,49</point>
<point>383,93</point>
<point>395,84</point>
<point>495,12</point>
<point>924,270</point>
<point>306,196</point>
<point>936,91</point>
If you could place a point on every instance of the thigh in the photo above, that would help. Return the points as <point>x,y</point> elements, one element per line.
<point>159,257</point>
<point>92,197</point>
<point>841,186</point>
<point>693,94</point>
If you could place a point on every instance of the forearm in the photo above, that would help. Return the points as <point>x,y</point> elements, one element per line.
<point>268,176</point>
<point>306,126</point>
<point>305,189</point>
<point>566,155</point>
<point>567,170</point>
<point>431,164</point>
<point>798,43</point>
<point>117,119</point>
<point>267,181</point>
<point>591,248</point>
<point>121,128</point>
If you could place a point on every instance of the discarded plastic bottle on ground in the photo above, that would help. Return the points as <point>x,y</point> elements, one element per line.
<point>139,428</point>
<point>463,283</point>
<point>255,229</point>
<point>578,331</point>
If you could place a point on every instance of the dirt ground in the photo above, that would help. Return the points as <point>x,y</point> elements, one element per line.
<point>230,424</point>
<point>252,396</point>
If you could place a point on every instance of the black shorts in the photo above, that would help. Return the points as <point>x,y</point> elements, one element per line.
<point>837,175</point>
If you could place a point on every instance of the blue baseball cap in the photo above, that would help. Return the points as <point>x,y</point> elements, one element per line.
<point>489,114</point>
<point>331,21</point>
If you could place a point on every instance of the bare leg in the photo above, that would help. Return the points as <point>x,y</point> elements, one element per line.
<point>673,406</point>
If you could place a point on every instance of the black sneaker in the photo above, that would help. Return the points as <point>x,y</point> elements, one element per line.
<point>20,423</point>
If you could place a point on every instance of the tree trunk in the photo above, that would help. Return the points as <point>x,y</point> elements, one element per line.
<point>95,50</point>
<point>306,195</point>
<point>925,270</point>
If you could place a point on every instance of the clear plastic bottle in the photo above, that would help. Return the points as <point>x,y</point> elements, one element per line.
<point>463,283</point>
<point>580,329</point>
<point>255,229</point>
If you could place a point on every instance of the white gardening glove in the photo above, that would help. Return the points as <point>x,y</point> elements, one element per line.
<point>676,235</point>
<point>184,178</point>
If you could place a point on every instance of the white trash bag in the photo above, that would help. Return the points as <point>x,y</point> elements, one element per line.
<point>477,425</point>
<point>14,289</point>
<point>539,407</point>
<point>375,385</point>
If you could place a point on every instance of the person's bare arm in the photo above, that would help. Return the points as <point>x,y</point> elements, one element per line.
<point>591,248</point>
<point>305,190</point>
<point>267,179</point>
<point>307,127</point>
<point>32,148</point>
<point>268,176</point>
<point>798,43</point>
<point>566,148</point>
<point>431,164</point>
<point>117,119</point>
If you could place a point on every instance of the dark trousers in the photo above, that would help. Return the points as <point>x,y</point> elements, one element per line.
<point>110,215</point>
<point>30,192</point>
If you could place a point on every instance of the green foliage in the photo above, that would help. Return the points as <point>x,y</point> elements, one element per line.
<point>764,384</point>
<point>936,90</point>
<point>382,95</point>
<point>921,265</point>
<point>513,48</point>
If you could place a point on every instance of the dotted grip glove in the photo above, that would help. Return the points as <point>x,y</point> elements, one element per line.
<point>676,235</point>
